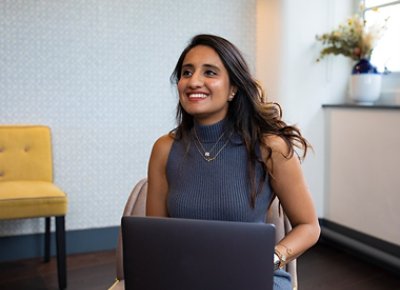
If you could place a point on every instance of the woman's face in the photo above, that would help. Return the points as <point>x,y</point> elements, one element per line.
<point>204,87</point>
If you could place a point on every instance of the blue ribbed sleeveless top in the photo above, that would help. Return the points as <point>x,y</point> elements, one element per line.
<point>217,189</point>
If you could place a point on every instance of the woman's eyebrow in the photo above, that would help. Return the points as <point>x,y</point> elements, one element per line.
<point>206,65</point>
<point>187,65</point>
<point>211,66</point>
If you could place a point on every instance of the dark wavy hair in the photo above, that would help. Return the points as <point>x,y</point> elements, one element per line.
<point>251,116</point>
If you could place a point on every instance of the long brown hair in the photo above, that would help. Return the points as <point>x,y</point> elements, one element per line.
<point>250,114</point>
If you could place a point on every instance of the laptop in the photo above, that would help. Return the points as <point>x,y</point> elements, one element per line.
<point>184,254</point>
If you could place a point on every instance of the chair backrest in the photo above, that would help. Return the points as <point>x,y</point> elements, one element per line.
<point>25,153</point>
<point>136,206</point>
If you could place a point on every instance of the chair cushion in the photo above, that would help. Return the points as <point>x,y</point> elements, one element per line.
<point>28,199</point>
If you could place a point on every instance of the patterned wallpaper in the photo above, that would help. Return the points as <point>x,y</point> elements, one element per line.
<point>97,72</point>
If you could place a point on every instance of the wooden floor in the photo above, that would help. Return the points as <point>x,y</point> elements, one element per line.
<point>328,268</point>
<point>322,267</point>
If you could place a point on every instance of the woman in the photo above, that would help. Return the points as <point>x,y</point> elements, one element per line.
<point>231,153</point>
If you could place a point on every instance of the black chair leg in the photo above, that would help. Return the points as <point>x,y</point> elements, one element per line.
<point>47,239</point>
<point>61,252</point>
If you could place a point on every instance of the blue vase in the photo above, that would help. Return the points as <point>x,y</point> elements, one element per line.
<point>363,66</point>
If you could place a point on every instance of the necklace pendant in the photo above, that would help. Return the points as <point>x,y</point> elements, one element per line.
<point>207,154</point>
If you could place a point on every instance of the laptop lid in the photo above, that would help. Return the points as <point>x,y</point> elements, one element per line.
<point>183,254</point>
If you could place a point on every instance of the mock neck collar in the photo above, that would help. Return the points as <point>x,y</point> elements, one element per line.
<point>211,133</point>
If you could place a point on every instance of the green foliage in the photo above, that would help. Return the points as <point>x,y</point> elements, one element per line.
<point>354,39</point>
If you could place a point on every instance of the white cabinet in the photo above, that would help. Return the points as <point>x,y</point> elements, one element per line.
<point>362,188</point>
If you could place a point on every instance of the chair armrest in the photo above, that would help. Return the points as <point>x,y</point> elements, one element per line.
<point>118,285</point>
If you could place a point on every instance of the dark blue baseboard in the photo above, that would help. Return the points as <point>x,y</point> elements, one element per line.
<point>77,241</point>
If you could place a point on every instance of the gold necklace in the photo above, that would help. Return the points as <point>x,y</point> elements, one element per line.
<point>207,154</point>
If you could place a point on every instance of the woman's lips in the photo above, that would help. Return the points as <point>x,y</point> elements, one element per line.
<point>197,96</point>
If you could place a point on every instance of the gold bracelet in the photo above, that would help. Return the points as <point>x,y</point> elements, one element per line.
<point>282,258</point>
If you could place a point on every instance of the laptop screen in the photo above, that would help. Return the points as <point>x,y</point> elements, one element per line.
<point>183,254</point>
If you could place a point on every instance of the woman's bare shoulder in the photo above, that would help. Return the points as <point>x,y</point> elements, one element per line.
<point>276,143</point>
<point>164,143</point>
<point>165,139</point>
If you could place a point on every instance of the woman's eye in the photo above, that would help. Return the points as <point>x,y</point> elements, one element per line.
<point>210,73</point>
<point>186,73</point>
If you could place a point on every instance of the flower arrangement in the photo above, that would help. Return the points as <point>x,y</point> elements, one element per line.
<point>355,39</point>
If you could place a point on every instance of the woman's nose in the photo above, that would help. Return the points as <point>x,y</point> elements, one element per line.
<point>196,80</point>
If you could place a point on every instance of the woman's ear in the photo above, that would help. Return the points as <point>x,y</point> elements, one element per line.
<point>232,94</point>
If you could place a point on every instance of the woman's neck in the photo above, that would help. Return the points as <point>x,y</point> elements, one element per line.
<point>210,133</point>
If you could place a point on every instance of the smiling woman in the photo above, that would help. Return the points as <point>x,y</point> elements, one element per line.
<point>204,86</point>
<point>231,154</point>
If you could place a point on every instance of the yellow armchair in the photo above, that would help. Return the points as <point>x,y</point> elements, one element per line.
<point>26,185</point>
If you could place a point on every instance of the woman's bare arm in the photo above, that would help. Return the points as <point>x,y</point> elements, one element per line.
<point>157,190</point>
<point>289,185</point>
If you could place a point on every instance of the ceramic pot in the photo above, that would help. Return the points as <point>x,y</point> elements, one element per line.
<point>365,82</point>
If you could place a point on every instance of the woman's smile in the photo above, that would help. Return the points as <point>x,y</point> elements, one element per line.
<point>197,96</point>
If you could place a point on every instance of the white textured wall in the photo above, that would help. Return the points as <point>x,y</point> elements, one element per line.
<point>97,72</point>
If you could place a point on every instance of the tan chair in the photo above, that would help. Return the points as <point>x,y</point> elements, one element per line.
<point>26,185</point>
<point>136,206</point>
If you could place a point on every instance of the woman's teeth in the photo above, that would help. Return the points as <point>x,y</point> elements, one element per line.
<point>198,96</point>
